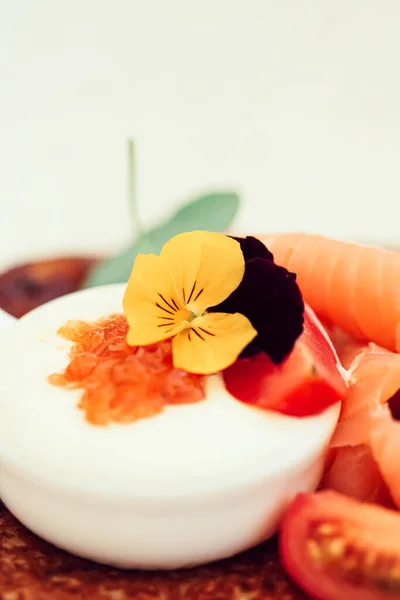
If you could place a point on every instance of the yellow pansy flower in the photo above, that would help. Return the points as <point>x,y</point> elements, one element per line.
<point>168,296</point>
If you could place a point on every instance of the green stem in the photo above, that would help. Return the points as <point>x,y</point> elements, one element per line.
<point>132,198</point>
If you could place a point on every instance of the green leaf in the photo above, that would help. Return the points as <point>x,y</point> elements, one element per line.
<point>212,212</point>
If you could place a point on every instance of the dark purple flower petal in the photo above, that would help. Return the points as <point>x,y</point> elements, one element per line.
<point>270,298</point>
<point>253,248</point>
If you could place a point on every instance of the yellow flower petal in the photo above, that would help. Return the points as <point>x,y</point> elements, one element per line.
<point>213,342</point>
<point>206,268</point>
<point>151,305</point>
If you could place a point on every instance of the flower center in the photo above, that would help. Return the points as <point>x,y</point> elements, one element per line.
<point>192,315</point>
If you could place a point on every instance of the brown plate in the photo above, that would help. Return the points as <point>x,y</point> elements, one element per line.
<point>31,569</point>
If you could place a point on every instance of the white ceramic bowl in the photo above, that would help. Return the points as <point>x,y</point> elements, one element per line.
<point>195,484</point>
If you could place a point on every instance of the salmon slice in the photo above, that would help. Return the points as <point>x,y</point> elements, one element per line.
<point>365,451</point>
<point>374,378</point>
<point>385,445</point>
<point>347,348</point>
<point>354,472</point>
<point>355,287</point>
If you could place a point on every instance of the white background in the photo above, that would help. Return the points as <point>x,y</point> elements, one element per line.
<point>295,102</point>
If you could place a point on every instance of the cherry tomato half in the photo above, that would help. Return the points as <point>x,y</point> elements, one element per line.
<point>336,548</point>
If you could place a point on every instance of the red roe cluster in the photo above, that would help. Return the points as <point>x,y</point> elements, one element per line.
<point>121,383</point>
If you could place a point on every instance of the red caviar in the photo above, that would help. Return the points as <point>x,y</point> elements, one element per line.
<point>121,383</point>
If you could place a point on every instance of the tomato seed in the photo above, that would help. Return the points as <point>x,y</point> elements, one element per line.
<point>326,529</point>
<point>336,547</point>
<point>314,550</point>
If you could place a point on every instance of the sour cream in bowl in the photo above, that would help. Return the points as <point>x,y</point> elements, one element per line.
<point>193,483</point>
